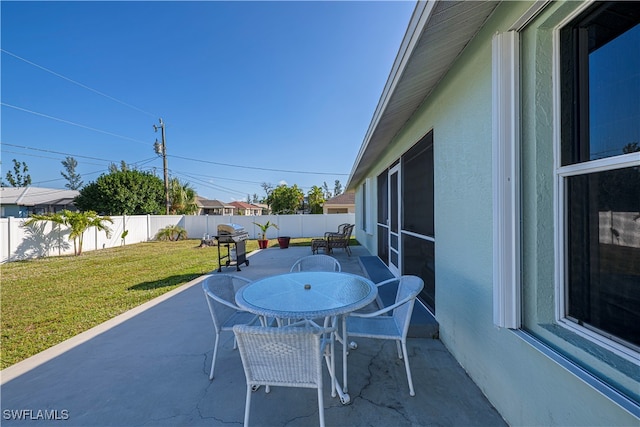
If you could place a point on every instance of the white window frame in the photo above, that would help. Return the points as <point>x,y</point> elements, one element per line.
<point>561,174</point>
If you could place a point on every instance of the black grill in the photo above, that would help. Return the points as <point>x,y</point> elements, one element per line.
<point>233,237</point>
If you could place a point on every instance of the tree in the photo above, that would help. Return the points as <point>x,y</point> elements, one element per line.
<point>75,181</point>
<point>255,199</point>
<point>182,197</point>
<point>113,168</point>
<point>316,199</point>
<point>128,192</point>
<point>19,177</point>
<point>337,188</point>
<point>327,193</point>
<point>284,199</point>
<point>78,223</point>
<point>267,187</point>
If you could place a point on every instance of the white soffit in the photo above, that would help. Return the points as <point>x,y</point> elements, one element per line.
<point>437,34</point>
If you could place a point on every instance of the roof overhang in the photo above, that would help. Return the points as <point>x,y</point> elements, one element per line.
<point>438,32</point>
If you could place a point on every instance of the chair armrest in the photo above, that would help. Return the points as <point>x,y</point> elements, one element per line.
<point>384,310</point>
<point>386,282</point>
<point>224,302</point>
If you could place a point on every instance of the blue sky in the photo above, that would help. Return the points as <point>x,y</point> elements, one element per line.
<point>289,86</point>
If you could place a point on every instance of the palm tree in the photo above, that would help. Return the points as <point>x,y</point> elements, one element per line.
<point>171,233</point>
<point>78,223</point>
<point>182,198</point>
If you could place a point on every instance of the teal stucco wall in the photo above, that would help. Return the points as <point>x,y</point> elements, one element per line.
<point>525,385</point>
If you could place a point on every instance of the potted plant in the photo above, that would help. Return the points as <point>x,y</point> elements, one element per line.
<point>263,242</point>
<point>283,241</point>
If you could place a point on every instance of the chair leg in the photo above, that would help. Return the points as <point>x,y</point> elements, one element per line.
<point>406,365</point>
<point>247,406</point>
<point>399,349</point>
<point>321,406</point>
<point>215,353</point>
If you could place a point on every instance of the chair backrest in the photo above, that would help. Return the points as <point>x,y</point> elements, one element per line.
<point>341,240</point>
<point>348,230</point>
<point>288,356</point>
<point>408,287</point>
<point>341,227</point>
<point>220,291</point>
<point>317,262</point>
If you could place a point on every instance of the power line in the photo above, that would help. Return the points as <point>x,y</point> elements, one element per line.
<point>73,123</point>
<point>210,185</point>
<point>221,178</point>
<point>190,176</point>
<point>56,152</point>
<point>137,163</point>
<point>258,168</point>
<point>63,179</point>
<point>79,84</point>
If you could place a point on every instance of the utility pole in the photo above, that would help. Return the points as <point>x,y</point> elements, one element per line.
<point>161,149</point>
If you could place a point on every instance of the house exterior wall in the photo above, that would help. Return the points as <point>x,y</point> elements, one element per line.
<point>335,209</point>
<point>524,384</point>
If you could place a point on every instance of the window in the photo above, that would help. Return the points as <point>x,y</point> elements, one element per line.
<point>599,172</point>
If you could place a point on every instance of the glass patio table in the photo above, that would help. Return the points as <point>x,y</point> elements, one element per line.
<point>311,295</point>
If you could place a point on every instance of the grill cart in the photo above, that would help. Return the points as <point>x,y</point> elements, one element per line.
<point>233,237</point>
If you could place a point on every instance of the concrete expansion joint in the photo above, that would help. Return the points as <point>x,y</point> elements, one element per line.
<point>370,369</point>
<point>205,363</point>
<point>156,421</point>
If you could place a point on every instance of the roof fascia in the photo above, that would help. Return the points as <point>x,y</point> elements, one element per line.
<point>419,19</point>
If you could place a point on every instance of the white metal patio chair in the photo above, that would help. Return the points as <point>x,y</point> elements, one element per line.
<point>380,325</point>
<point>220,291</point>
<point>290,356</point>
<point>316,263</point>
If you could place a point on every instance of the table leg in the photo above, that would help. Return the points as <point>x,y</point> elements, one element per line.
<point>331,366</point>
<point>344,352</point>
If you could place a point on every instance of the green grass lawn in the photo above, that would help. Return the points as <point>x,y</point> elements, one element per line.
<point>48,300</point>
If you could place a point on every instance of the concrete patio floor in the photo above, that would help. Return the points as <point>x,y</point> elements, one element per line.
<point>149,367</point>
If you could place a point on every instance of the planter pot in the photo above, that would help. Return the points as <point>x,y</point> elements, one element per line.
<point>262,244</point>
<point>284,242</point>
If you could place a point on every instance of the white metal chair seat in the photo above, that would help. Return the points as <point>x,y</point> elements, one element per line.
<point>288,357</point>
<point>239,318</point>
<point>380,325</point>
<point>316,263</point>
<point>220,291</point>
<point>384,327</point>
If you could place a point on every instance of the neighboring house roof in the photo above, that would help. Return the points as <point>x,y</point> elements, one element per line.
<point>210,204</point>
<point>35,196</point>
<point>244,205</point>
<point>436,36</point>
<point>342,199</point>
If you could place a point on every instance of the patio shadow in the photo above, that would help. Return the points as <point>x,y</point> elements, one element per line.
<point>164,282</point>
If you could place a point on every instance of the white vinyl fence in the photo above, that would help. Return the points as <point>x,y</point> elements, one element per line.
<point>46,239</point>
